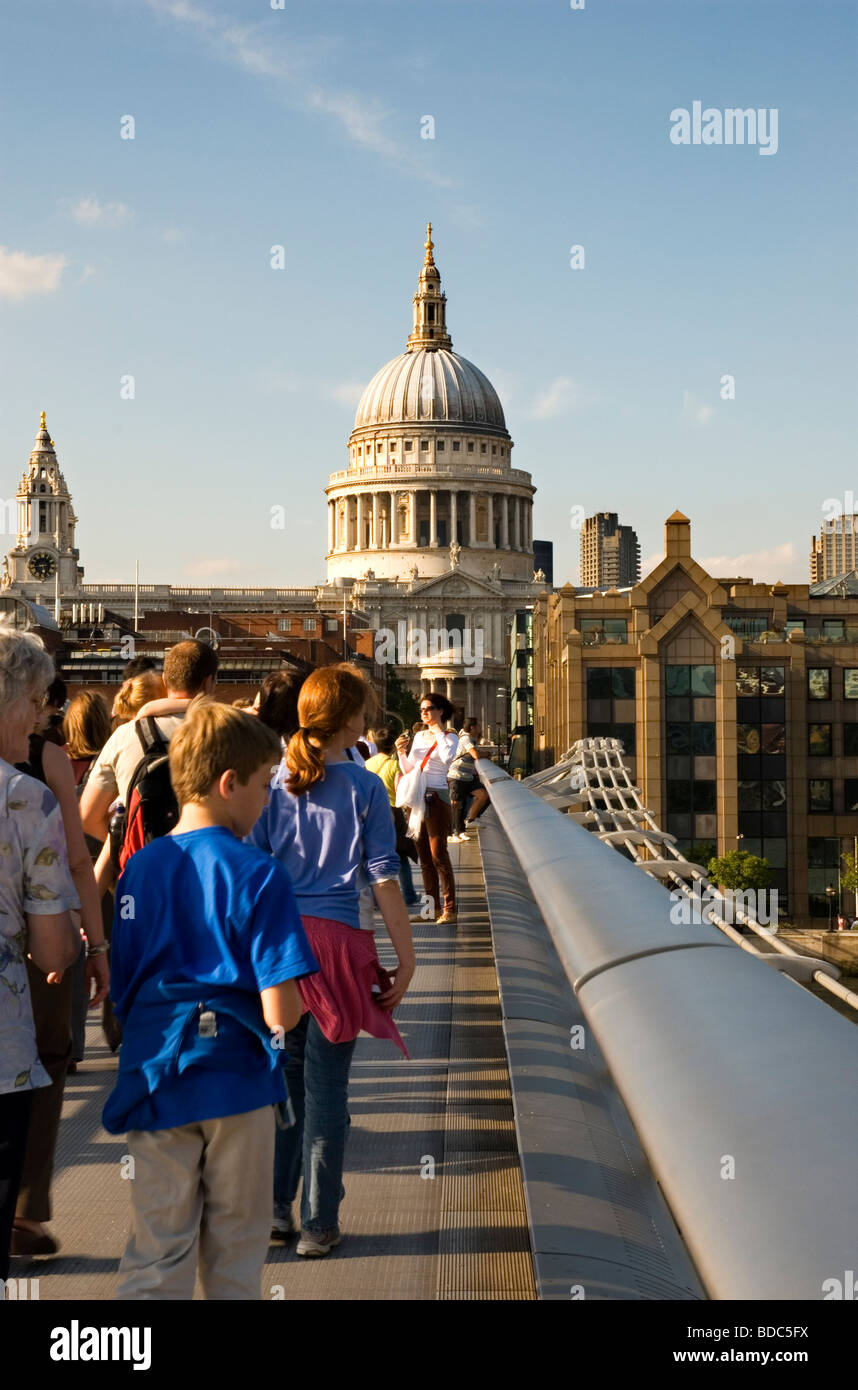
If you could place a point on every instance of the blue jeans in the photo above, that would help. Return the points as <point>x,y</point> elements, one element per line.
<point>317,1075</point>
<point>406,882</point>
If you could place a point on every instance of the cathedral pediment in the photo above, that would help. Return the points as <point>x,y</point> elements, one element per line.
<point>457,583</point>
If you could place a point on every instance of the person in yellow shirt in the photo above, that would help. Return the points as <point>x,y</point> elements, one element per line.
<point>385,764</point>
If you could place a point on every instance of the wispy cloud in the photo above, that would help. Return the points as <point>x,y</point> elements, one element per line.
<point>364,122</point>
<point>22,274</point>
<point>172,235</point>
<point>346,392</point>
<point>91,212</point>
<point>650,562</point>
<point>278,382</point>
<point>86,274</point>
<point>778,562</point>
<point>695,410</point>
<point>560,397</point>
<point>213,568</point>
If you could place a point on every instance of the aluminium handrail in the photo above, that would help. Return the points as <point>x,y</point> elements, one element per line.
<point>599,758</point>
<point>739,1084</point>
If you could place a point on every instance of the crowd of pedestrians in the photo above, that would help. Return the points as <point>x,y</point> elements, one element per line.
<point>232,856</point>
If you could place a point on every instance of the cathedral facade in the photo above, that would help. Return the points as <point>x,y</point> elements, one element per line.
<point>430,525</point>
<point>429,540</point>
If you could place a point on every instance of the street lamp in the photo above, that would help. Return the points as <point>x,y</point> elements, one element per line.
<point>830,892</point>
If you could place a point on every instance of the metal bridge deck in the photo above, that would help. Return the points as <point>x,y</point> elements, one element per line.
<point>461,1234</point>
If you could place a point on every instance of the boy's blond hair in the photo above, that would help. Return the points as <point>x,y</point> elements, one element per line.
<point>214,739</point>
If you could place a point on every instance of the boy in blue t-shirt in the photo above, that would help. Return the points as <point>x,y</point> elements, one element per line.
<point>207,946</point>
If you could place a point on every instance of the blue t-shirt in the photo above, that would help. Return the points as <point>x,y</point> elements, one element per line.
<point>335,839</point>
<point>202,924</point>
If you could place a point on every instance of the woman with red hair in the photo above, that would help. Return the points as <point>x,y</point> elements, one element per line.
<point>328,820</point>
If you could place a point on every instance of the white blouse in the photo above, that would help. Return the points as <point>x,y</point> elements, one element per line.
<point>436,768</point>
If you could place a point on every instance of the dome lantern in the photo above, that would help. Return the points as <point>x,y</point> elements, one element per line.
<point>43,441</point>
<point>430,306</point>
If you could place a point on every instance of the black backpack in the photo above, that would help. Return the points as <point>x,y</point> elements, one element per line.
<point>152,808</point>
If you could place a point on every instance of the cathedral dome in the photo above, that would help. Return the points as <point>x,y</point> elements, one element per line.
<point>433,385</point>
<point>429,383</point>
<point>430,485</point>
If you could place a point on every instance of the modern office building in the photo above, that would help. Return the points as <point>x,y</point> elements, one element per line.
<point>543,560</point>
<point>521,712</point>
<point>610,553</point>
<point>737,704</point>
<point>835,550</point>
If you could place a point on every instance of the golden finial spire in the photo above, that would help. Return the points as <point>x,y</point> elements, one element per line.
<point>42,424</point>
<point>429,244</point>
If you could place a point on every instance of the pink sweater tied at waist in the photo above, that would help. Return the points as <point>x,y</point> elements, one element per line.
<point>340,996</point>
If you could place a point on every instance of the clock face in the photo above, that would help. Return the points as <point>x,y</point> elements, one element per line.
<point>42,565</point>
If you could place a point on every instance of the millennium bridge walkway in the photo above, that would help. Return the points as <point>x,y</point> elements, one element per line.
<point>602,1102</point>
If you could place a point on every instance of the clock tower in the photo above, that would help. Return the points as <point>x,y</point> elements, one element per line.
<point>44,561</point>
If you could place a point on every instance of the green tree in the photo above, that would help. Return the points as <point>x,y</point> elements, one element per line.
<point>849,875</point>
<point>701,851</point>
<point>400,701</point>
<point>739,871</point>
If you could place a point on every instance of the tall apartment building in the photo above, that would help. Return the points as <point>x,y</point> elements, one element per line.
<point>835,550</point>
<point>610,553</point>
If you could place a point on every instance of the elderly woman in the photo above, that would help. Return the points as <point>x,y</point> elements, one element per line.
<point>36,893</point>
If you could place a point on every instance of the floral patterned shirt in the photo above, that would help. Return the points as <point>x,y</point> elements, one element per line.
<point>34,878</point>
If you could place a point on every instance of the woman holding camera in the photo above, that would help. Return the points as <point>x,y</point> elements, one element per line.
<point>433,749</point>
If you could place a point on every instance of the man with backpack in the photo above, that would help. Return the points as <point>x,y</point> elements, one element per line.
<point>466,793</point>
<point>132,766</point>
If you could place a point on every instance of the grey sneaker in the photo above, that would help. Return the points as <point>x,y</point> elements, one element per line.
<point>283,1227</point>
<point>316,1243</point>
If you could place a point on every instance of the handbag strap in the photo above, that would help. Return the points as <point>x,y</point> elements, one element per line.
<point>428,755</point>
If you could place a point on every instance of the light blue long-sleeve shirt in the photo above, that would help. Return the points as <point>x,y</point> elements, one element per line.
<point>334,840</point>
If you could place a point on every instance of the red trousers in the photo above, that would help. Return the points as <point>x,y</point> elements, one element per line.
<point>434,855</point>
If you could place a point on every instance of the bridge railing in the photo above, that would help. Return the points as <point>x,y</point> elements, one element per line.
<point>738,1081</point>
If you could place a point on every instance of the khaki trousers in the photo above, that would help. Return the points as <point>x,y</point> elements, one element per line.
<point>200,1190</point>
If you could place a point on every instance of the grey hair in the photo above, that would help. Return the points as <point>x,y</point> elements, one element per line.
<point>25,666</point>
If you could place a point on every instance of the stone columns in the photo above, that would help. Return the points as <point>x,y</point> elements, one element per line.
<point>360,531</point>
<point>376,523</point>
<point>528,526</point>
<point>472,521</point>
<point>454,519</point>
<point>516,525</point>
<point>505,522</point>
<point>331,520</point>
<point>449,685</point>
<point>433,518</point>
<point>393,538</point>
<point>491,520</point>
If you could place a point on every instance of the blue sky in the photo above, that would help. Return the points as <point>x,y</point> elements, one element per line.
<point>301,127</point>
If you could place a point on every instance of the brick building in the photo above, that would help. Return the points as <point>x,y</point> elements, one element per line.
<point>737,704</point>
